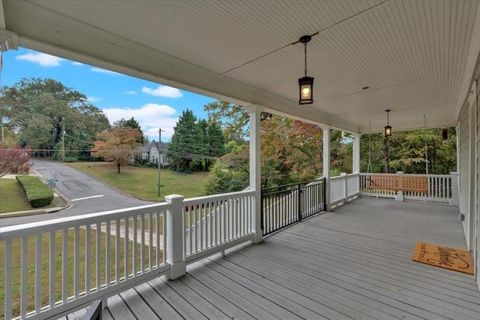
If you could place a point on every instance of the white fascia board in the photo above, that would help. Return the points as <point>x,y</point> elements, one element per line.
<point>55,34</point>
<point>472,59</point>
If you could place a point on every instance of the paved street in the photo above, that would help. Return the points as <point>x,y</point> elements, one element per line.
<point>87,195</point>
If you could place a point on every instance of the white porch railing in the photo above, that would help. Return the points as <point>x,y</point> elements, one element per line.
<point>212,224</point>
<point>79,259</point>
<point>431,187</point>
<point>74,260</point>
<point>344,188</point>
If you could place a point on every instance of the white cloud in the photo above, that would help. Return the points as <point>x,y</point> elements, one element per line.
<point>150,116</point>
<point>131,92</point>
<point>163,91</point>
<point>78,64</point>
<point>43,59</point>
<point>100,70</point>
<point>93,99</point>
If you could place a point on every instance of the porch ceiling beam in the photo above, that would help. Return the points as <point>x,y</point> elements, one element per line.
<point>2,15</point>
<point>56,34</point>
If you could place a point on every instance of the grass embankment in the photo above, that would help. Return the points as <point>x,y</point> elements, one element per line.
<point>12,197</point>
<point>142,182</point>
<point>16,265</point>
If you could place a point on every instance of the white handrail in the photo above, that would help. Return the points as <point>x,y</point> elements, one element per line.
<point>54,224</point>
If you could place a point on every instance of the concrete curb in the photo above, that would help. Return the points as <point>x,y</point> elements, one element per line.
<point>29,212</point>
<point>69,203</point>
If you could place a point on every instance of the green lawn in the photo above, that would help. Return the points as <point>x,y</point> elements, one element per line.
<point>142,182</point>
<point>12,197</point>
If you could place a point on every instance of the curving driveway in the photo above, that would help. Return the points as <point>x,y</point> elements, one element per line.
<point>86,194</point>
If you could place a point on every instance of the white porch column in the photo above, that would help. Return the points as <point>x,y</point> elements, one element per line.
<point>175,237</point>
<point>254,113</point>
<point>356,153</point>
<point>454,182</point>
<point>326,163</point>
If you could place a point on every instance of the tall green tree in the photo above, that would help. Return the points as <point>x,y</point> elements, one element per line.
<point>231,117</point>
<point>40,110</point>
<point>215,142</point>
<point>187,142</point>
<point>414,151</point>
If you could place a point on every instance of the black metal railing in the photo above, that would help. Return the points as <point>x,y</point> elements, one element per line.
<point>288,204</point>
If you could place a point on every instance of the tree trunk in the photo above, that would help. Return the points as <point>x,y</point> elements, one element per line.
<point>118,167</point>
<point>386,156</point>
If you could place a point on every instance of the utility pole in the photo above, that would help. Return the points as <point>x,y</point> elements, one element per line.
<point>63,142</point>
<point>3,122</point>
<point>158,160</point>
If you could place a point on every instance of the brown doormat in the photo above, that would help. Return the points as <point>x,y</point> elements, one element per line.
<point>443,257</point>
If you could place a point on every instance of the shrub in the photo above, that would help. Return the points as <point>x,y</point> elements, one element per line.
<point>37,193</point>
<point>224,180</point>
<point>70,159</point>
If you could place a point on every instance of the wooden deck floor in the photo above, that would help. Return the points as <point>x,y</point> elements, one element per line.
<point>353,263</point>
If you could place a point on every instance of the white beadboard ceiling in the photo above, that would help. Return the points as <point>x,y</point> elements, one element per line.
<point>412,54</point>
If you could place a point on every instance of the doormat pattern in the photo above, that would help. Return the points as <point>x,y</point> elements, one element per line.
<point>443,257</point>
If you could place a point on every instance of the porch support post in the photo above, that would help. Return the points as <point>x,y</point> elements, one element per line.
<point>356,153</point>
<point>255,113</point>
<point>454,182</point>
<point>175,237</point>
<point>326,164</point>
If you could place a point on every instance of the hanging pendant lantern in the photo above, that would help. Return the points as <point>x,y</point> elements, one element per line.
<point>305,84</point>
<point>388,128</point>
<point>444,134</point>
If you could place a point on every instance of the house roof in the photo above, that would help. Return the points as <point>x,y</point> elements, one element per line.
<point>143,148</point>
<point>162,147</point>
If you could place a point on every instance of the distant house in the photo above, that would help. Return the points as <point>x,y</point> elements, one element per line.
<point>142,151</point>
<point>157,151</point>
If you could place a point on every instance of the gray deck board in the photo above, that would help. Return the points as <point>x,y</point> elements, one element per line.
<point>179,303</point>
<point>352,263</point>
<point>157,303</point>
<point>255,304</point>
<point>197,283</point>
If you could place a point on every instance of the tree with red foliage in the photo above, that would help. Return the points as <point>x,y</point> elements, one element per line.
<point>118,145</point>
<point>14,160</point>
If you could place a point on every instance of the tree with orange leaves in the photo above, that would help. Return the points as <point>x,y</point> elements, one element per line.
<point>118,145</point>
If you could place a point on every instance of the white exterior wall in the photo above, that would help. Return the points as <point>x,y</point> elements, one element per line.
<point>463,166</point>
<point>154,156</point>
<point>468,146</point>
<point>477,182</point>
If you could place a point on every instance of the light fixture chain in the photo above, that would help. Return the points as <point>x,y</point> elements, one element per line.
<point>305,59</point>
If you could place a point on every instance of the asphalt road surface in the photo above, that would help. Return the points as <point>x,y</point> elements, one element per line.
<point>86,194</point>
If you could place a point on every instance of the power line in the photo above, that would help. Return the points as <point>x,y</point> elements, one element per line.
<point>313,34</point>
<point>192,156</point>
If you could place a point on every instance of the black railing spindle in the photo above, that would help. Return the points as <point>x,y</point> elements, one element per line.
<point>288,204</point>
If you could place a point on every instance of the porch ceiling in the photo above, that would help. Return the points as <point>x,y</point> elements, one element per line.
<point>412,54</point>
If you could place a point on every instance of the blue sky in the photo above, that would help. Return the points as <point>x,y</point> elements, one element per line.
<point>119,96</point>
